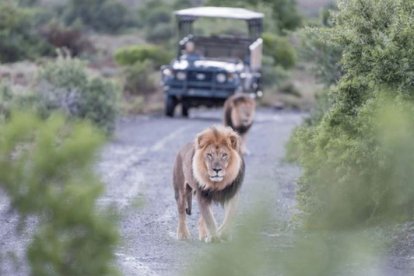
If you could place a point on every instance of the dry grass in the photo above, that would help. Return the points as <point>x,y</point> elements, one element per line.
<point>19,74</point>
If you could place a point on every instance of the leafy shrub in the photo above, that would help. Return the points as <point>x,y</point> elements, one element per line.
<point>6,101</point>
<point>47,171</point>
<point>101,15</point>
<point>139,79</point>
<point>160,33</point>
<point>70,38</point>
<point>271,74</point>
<point>360,177</point>
<point>10,99</point>
<point>66,86</point>
<point>285,14</point>
<point>325,56</point>
<point>140,53</point>
<point>358,153</point>
<point>19,36</point>
<point>155,12</point>
<point>280,49</point>
<point>156,18</point>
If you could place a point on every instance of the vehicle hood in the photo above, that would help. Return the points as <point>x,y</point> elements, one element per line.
<point>229,67</point>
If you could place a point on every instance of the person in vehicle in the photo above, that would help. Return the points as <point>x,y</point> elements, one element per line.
<point>190,52</point>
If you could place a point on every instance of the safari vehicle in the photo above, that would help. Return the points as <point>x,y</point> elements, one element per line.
<point>209,69</point>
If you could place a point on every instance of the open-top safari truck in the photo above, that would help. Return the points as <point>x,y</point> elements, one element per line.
<point>209,69</point>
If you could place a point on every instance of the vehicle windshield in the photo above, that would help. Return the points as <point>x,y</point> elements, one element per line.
<point>230,49</point>
<point>213,59</point>
<point>220,27</point>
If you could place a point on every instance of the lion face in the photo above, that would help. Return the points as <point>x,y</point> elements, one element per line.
<point>217,159</point>
<point>243,111</point>
<point>246,113</point>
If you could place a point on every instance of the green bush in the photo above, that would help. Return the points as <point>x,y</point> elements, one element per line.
<point>139,78</point>
<point>47,172</point>
<point>11,99</point>
<point>363,177</point>
<point>6,101</point>
<point>160,33</point>
<point>280,49</point>
<point>325,56</point>
<point>140,53</point>
<point>19,33</point>
<point>65,85</point>
<point>155,12</point>
<point>355,159</point>
<point>101,15</point>
<point>271,74</point>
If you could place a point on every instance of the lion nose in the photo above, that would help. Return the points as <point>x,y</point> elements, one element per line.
<point>217,170</point>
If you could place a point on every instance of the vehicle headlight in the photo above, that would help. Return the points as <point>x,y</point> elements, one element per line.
<point>181,75</point>
<point>231,76</point>
<point>167,72</point>
<point>221,77</point>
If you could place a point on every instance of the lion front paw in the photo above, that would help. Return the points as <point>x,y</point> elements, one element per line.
<point>183,234</point>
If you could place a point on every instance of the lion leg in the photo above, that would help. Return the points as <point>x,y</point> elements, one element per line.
<point>208,219</point>
<point>244,149</point>
<point>229,214</point>
<point>202,229</point>
<point>182,231</point>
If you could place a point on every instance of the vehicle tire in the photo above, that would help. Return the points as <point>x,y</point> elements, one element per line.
<point>184,110</point>
<point>170,103</point>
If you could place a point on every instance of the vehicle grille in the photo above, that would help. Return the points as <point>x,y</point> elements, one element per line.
<point>200,76</point>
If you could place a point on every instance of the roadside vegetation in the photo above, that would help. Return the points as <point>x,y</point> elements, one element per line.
<point>64,85</point>
<point>348,148</point>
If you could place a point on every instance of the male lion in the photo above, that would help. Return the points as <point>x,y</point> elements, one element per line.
<point>239,111</point>
<point>212,167</point>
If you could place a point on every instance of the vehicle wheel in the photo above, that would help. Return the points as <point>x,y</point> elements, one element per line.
<point>170,104</point>
<point>184,110</point>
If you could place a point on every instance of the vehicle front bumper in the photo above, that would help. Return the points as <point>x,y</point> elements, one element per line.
<point>199,92</point>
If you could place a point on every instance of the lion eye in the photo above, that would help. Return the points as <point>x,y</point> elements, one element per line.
<point>225,156</point>
<point>209,156</point>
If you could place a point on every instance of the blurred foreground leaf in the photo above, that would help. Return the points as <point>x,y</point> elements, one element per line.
<point>47,171</point>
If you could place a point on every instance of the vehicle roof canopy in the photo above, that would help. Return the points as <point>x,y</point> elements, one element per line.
<point>218,12</point>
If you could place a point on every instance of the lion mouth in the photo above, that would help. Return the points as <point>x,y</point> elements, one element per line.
<point>246,122</point>
<point>216,178</point>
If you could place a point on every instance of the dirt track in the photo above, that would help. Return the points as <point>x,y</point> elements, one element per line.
<point>137,166</point>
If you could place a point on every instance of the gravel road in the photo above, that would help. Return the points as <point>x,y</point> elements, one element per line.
<point>137,168</point>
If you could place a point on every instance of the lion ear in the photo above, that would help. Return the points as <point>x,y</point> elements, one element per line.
<point>199,141</point>
<point>234,141</point>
